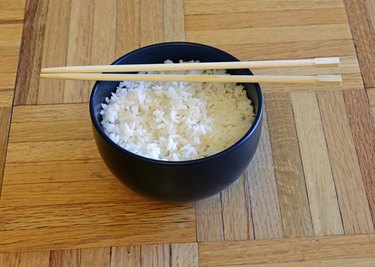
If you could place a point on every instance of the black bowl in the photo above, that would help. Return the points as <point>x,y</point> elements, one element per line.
<point>176,180</point>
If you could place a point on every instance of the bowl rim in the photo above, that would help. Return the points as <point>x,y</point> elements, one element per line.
<point>246,136</point>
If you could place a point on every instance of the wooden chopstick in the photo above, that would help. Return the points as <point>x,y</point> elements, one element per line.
<point>328,62</point>
<point>318,79</point>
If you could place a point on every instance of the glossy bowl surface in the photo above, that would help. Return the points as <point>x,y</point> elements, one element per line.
<point>176,180</point>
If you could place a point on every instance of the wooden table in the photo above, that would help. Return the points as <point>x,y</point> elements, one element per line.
<point>308,197</point>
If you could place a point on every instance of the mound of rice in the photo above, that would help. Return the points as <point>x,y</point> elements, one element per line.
<point>177,121</point>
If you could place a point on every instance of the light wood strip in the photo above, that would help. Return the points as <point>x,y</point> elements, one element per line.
<point>222,6</point>
<point>5,114</point>
<point>127,24</point>
<point>209,219</point>
<point>185,254</point>
<point>7,80</point>
<point>236,211</point>
<point>152,22</point>
<point>363,131</point>
<point>155,255</point>
<point>126,256</point>
<point>26,91</point>
<point>371,96</point>
<point>103,41</point>
<point>270,18</point>
<point>12,4</point>
<point>52,151</point>
<point>6,98</point>
<point>10,46</point>
<point>100,236</point>
<point>69,258</point>
<point>55,50</point>
<point>95,257</point>
<point>174,20</point>
<point>287,50</point>
<point>12,15</point>
<point>364,38</point>
<point>265,205</point>
<point>270,35</point>
<point>34,259</point>
<point>79,48</point>
<point>8,64</point>
<point>10,259</point>
<point>288,166</point>
<point>56,171</point>
<point>93,215</point>
<point>346,172</point>
<point>320,185</point>
<point>286,250</point>
<point>370,5</point>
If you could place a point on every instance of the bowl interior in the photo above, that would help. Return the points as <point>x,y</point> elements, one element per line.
<point>174,51</point>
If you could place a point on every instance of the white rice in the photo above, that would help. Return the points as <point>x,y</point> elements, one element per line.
<point>177,121</point>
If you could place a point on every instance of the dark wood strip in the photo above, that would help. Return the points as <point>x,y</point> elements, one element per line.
<point>363,131</point>
<point>364,38</point>
<point>5,113</point>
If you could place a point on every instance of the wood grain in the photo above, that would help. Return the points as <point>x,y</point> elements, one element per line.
<point>5,114</point>
<point>34,259</point>
<point>69,258</point>
<point>345,167</point>
<point>363,131</point>
<point>9,259</point>
<point>371,99</point>
<point>209,219</point>
<point>8,64</point>
<point>126,256</point>
<point>79,48</point>
<point>270,18</point>
<point>11,44</point>
<point>270,34</point>
<point>364,38</point>
<point>264,199</point>
<point>320,185</point>
<point>26,91</point>
<point>95,257</point>
<point>152,22</point>
<point>236,210</point>
<point>7,80</point>
<point>288,166</point>
<point>155,255</point>
<point>55,50</point>
<point>174,20</point>
<point>185,254</point>
<point>370,5</point>
<point>6,98</point>
<point>222,6</point>
<point>128,26</point>
<point>286,250</point>
<point>12,15</point>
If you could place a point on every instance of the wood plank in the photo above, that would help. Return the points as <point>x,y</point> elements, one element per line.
<point>371,99</point>
<point>5,114</point>
<point>300,49</point>
<point>26,91</point>
<point>55,50</point>
<point>10,46</point>
<point>7,80</point>
<point>34,259</point>
<point>99,257</point>
<point>69,258</point>
<point>236,210</point>
<point>126,256</point>
<point>320,185</point>
<point>185,254</point>
<point>174,20</point>
<point>363,131</point>
<point>370,5</point>
<point>128,24</point>
<point>56,171</point>
<point>12,4</point>
<point>270,18</point>
<point>209,219</point>
<point>264,200</point>
<point>222,6</point>
<point>6,98</point>
<point>286,250</point>
<point>133,212</point>
<point>345,167</point>
<point>152,22</point>
<point>270,34</point>
<point>364,38</point>
<point>101,236</point>
<point>79,48</point>
<point>288,166</point>
<point>9,259</point>
<point>155,255</point>
<point>52,151</point>
<point>8,64</point>
<point>12,15</point>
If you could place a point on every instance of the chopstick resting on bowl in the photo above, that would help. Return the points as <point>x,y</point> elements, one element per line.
<point>96,72</point>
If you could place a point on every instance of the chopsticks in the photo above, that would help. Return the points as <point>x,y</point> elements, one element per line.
<point>94,72</point>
